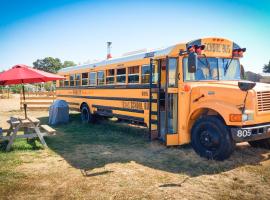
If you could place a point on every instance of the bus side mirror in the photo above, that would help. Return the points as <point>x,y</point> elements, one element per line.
<point>246,85</point>
<point>192,62</point>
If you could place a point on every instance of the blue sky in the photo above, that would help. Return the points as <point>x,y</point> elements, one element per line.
<point>78,30</point>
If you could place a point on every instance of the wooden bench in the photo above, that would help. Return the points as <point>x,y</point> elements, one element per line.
<point>48,129</point>
<point>31,129</point>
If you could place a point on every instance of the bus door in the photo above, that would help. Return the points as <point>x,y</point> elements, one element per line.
<point>171,101</point>
<point>163,115</point>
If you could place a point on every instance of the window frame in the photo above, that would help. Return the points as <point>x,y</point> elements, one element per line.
<point>176,73</point>
<point>72,81</point>
<point>111,76</point>
<point>133,74</point>
<point>78,80</point>
<point>95,82</point>
<point>104,77</point>
<point>87,79</point>
<point>121,75</point>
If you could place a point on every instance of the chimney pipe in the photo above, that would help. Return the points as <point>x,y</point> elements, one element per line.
<point>109,50</point>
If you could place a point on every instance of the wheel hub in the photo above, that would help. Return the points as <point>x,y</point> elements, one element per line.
<point>209,139</point>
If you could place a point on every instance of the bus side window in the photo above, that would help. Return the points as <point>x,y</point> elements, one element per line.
<point>133,74</point>
<point>146,74</point>
<point>92,78</point>
<point>72,80</point>
<point>84,78</point>
<point>61,83</point>
<point>121,75</point>
<point>78,79</point>
<point>101,78</point>
<point>66,82</point>
<point>110,76</point>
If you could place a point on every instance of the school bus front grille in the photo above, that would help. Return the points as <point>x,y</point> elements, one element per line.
<point>263,101</point>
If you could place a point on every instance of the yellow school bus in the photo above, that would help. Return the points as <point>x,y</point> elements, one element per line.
<point>185,93</point>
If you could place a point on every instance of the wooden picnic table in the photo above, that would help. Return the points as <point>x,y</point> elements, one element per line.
<point>31,127</point>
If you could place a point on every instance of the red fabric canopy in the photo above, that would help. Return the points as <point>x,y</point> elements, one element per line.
<point>19,74</point>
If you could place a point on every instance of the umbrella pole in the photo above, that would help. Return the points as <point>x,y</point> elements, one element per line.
<point>24,104</point>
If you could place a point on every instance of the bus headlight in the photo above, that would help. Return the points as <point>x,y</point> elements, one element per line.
<point>244,117</point>
<point>241,117</point>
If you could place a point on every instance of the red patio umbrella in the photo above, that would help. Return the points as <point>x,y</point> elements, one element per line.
<point>21,74</point>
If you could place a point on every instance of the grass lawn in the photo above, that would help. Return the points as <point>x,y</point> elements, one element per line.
<point>112,160</point>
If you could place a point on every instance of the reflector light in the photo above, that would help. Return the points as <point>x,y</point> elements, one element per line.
<point>186,88</point>
<point>236,117</point>
<point>199,49</point>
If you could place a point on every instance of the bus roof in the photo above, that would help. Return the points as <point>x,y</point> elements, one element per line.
<point>214,46</point>
<point>138,56</point>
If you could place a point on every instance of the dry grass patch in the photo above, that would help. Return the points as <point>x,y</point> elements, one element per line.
<point>110,160</point>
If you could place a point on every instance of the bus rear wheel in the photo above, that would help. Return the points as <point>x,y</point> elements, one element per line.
<point>210,138</point>
<point>264,143</point>
<point>86,115</point>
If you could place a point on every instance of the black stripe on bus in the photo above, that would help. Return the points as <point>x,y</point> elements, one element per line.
<point>136,86</point>
<point>108,98</point>
<point>117,108</point>
<point>75,109</point>
<point>138,119</point>
<point>131,118</point>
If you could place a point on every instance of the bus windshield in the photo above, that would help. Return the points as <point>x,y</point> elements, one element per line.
<point>214,69</point>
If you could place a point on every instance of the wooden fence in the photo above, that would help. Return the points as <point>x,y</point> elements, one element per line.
<point>37,100</point>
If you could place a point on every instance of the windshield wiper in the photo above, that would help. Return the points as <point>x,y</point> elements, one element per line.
<point>228,65</point>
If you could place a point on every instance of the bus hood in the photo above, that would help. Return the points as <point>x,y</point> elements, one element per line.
<point>260,87</point>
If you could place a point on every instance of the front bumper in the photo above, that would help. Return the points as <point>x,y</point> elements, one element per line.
<point>250,133</point>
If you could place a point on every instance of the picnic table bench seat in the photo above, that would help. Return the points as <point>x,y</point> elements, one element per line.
<point>31,127</point>
<point>48,129</point>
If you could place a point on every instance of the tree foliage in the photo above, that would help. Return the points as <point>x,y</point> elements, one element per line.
<point>50,64</point>
<point>68,63</point>
<point>266,68</point>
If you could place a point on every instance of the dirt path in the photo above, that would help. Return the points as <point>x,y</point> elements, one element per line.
<point>10,104</point>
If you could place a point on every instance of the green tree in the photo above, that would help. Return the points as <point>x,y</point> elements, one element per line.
<point>266,68</point>
<point>48,64</point>
<point>68,63</point>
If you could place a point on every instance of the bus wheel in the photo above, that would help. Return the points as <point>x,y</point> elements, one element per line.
<point>86,115</point>
<point>211,139</point>
<point>264,143</point>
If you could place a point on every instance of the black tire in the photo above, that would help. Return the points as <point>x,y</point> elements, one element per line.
<point>264,143</point>
<point>86,115</point>
<point>210,138</point>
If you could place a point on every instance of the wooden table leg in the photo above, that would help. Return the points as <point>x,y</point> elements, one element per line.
<point>10,130</point>
<point>40,136</point>
<point>12,138</point>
